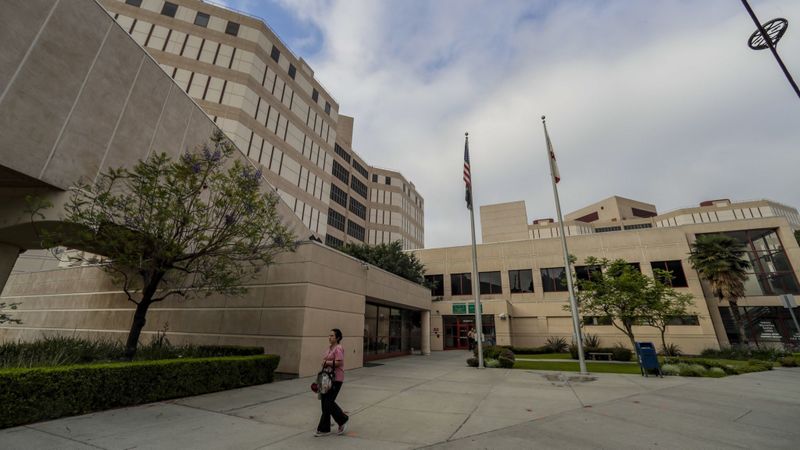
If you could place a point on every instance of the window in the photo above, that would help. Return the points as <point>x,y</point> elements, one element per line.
<point>461,283</point>
<point>201,19</point>
<point>341,152</point>
<point>597,320</point>
<point>520,281</point>
<point>586,273</point>
<point>684,320</point>
<point>336,219</point>
<point>331,241</point>
<point>232,28</point>
<point>360,169</point>
<point>490,283</point>
<point>136,3</point>
<point>436,283</point>
<point>374,178</point>
<point>770,272</point>
<point>327,108</point>
<point>276,54</point>
<point>606,229</point>
<point>638,226</point>
<point>358,209</point>
<point>314,95</point>
<point>389,180</point>
<point>359,187</point>
<point>355,230</point>
<point>341,173</point>
<point>169,9</point>
<point>676,277</point>
<point>338,195</point>
<point>292,71</point>
<point>554,279</point>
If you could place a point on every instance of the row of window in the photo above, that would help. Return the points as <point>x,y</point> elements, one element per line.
<point>355,230</point>
<point>359,187</point>
<point>606,321</point>
<point>553,279</point>
<point>341,173</point>
<point>336,219</point>
<point>338,195</point>
<point>358,209</point>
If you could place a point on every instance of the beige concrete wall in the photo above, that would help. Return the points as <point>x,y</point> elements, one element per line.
<point>612,209</point>
<point>504,222</point>
<point>288,308</point>
<point>538,315</point>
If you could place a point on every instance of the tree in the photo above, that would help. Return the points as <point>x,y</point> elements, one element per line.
<point>190,227</point>
<point>618,292</point>
<point>389,257</point>
<point>664,305</point>
<point>721,260</point>
<point>4,317</point>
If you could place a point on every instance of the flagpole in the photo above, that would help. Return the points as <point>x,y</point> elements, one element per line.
<point>573,304</point>
<point>475,282</point>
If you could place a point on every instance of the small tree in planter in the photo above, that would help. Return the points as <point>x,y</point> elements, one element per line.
<point>665,304</point>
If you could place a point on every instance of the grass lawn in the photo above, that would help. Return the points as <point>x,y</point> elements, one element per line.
<point>545,356</point>
<point>569,366</point>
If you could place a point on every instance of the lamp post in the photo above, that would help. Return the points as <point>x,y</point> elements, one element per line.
<point>767,36</point>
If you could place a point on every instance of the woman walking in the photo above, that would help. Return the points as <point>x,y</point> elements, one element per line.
<point>333,357</point>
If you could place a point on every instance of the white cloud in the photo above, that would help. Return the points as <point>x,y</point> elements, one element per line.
<point>658,101</point>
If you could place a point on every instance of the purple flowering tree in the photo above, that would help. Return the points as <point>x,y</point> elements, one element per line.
<point>189,227</point>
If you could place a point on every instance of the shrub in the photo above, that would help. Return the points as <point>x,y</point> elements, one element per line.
<point>556,344</point>
<point>754,366</point>
<point>491,363</point>
<point>34,394</point>
<point>530,350</point>
<point>591,341</point>
<point>745,353</point>
<point>492,352</point>
<point>507,359</point>
<point>671,350</point>
<point>620,353</point>
<point>788,361</point>
<point>670,369</point>
<point>63,350</point>
<point>472,362</point>
<point>693,370</point>
<point>715,372</point>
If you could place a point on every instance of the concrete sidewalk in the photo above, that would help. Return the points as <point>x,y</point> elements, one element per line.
<point>437,401</point>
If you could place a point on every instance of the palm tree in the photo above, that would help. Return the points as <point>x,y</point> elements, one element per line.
<point>721,261</point>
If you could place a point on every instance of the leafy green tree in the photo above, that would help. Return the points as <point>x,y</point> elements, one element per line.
<point>722,261</point>
<point>188,227</point>
<point>389,257</point>
<point>664,304</point>
<point>618,292</point>
<point>5,317</point>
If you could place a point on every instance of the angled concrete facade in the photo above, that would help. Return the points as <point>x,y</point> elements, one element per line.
<point>78,95</point>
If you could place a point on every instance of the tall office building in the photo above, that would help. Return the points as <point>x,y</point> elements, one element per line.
<point>269,104</point>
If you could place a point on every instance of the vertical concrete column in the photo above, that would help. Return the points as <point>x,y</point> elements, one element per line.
<point>426,332</point>
<point>8,257</point>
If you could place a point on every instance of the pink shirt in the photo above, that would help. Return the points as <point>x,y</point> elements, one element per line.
<point>335,354</point>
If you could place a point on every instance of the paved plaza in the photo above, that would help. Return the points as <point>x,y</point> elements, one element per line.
<point>438,402</point>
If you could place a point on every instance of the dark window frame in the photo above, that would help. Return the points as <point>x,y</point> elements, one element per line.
<point>292,71</point>
<point>134,3</point>
<point>338,195</point>
<point>168,8</point>
<point>199,22</point>
<point>355,230</point>
<point>232,28</point>
<point>437,284</point>
<point>515,281</point>
<point>551,284</point>
<point>336,219</point>
<point>275,54</point>
<point>678,277</point>
<point>487,285</point>
<point>461,283</point>
<point>314,94</point>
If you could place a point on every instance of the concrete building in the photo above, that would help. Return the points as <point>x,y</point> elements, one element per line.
<point>79,95</point>
<point>268,102</point>
<point>521,270</point>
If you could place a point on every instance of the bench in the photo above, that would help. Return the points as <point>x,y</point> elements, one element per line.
<point>594,355</point>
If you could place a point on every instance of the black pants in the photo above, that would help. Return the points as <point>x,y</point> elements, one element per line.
<point>330,408</point>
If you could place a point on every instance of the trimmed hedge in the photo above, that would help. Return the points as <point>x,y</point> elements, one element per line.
<point>42,393</point>
<point>752,366</point>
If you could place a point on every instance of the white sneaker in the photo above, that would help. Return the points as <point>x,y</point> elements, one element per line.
<point>320,433</point>
<point>343,428</point>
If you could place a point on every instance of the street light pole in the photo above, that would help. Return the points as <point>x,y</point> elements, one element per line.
<point>770,40</point>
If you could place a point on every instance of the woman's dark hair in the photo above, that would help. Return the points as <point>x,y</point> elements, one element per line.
<point>338,334</point>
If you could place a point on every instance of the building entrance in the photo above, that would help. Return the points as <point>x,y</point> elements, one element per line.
<point>456,329</point>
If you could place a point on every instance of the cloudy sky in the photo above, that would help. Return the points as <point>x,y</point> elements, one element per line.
<point>659,101</point>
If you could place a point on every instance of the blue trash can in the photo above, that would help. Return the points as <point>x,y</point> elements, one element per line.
<point>648,358</point>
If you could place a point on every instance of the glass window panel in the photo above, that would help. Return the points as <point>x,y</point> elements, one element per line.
<point>520,281</point>
<point>554,279</point>
<point>490,282</point>
<point>370,328</point>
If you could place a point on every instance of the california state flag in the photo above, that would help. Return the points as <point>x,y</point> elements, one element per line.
<point>552,157</point>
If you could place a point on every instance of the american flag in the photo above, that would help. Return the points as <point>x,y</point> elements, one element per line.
<point>467,176</point>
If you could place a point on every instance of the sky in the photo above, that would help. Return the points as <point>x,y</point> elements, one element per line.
<point>658,101</point>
